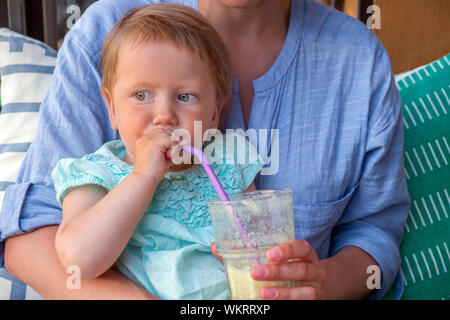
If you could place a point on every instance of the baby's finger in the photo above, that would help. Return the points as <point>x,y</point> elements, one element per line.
<point>175,152</point>
<point>299,293</point>
<point>295,249</point>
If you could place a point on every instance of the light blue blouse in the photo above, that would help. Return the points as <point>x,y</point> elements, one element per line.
<point>169,252</point>
<point>331,96</point>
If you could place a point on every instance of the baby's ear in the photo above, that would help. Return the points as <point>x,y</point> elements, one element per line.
<point>111,109</point>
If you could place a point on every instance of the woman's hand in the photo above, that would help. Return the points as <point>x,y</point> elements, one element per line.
<point>292,261</point>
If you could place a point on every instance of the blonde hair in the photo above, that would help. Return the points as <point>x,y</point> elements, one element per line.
<point>180,25</point>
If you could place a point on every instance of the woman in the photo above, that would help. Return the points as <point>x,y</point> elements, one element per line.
<point>318,77</point>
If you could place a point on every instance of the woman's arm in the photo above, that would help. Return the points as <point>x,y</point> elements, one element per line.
<point>96,227</point>
<point>32,258</point>
<point>347,274</point>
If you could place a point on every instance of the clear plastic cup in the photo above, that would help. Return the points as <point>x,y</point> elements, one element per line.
<point>267,218</point>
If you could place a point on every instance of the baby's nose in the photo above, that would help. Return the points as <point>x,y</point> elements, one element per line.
<point>165,117</point>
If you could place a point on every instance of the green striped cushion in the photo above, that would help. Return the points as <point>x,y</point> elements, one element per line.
<point>425,249</point>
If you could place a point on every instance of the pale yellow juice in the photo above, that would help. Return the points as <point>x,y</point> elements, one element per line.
<point>238,266</point>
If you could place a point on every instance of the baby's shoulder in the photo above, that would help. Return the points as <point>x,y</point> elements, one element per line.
<point>109,156</point>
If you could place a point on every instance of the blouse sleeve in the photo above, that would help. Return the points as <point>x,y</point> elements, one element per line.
<point>72,172</point>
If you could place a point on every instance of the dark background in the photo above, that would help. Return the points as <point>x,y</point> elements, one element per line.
<point>45,20</point>
<point>48,20</point>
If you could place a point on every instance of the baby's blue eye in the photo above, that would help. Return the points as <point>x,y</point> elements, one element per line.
<point>185,97</point>
<point>141,95</point>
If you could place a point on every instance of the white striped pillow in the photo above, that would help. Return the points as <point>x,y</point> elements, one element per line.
<point>26,67</point>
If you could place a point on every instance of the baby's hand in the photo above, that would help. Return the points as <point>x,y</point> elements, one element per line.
<point>152,153</point>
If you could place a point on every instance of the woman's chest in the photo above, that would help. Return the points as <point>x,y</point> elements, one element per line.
<point>312,141</point>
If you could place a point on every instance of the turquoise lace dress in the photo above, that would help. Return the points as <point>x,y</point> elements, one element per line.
<point>169,252</point>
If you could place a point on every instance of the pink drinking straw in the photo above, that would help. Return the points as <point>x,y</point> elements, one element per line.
<point>222,194</point>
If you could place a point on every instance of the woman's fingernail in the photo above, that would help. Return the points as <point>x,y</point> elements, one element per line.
<point>259,272</point>
<point>274,254</point>
<point>270,293</point>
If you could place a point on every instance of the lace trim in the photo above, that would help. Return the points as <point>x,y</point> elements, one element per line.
<point>189,207</point>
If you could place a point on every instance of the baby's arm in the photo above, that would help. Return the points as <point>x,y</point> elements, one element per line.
<point>97,225</point>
